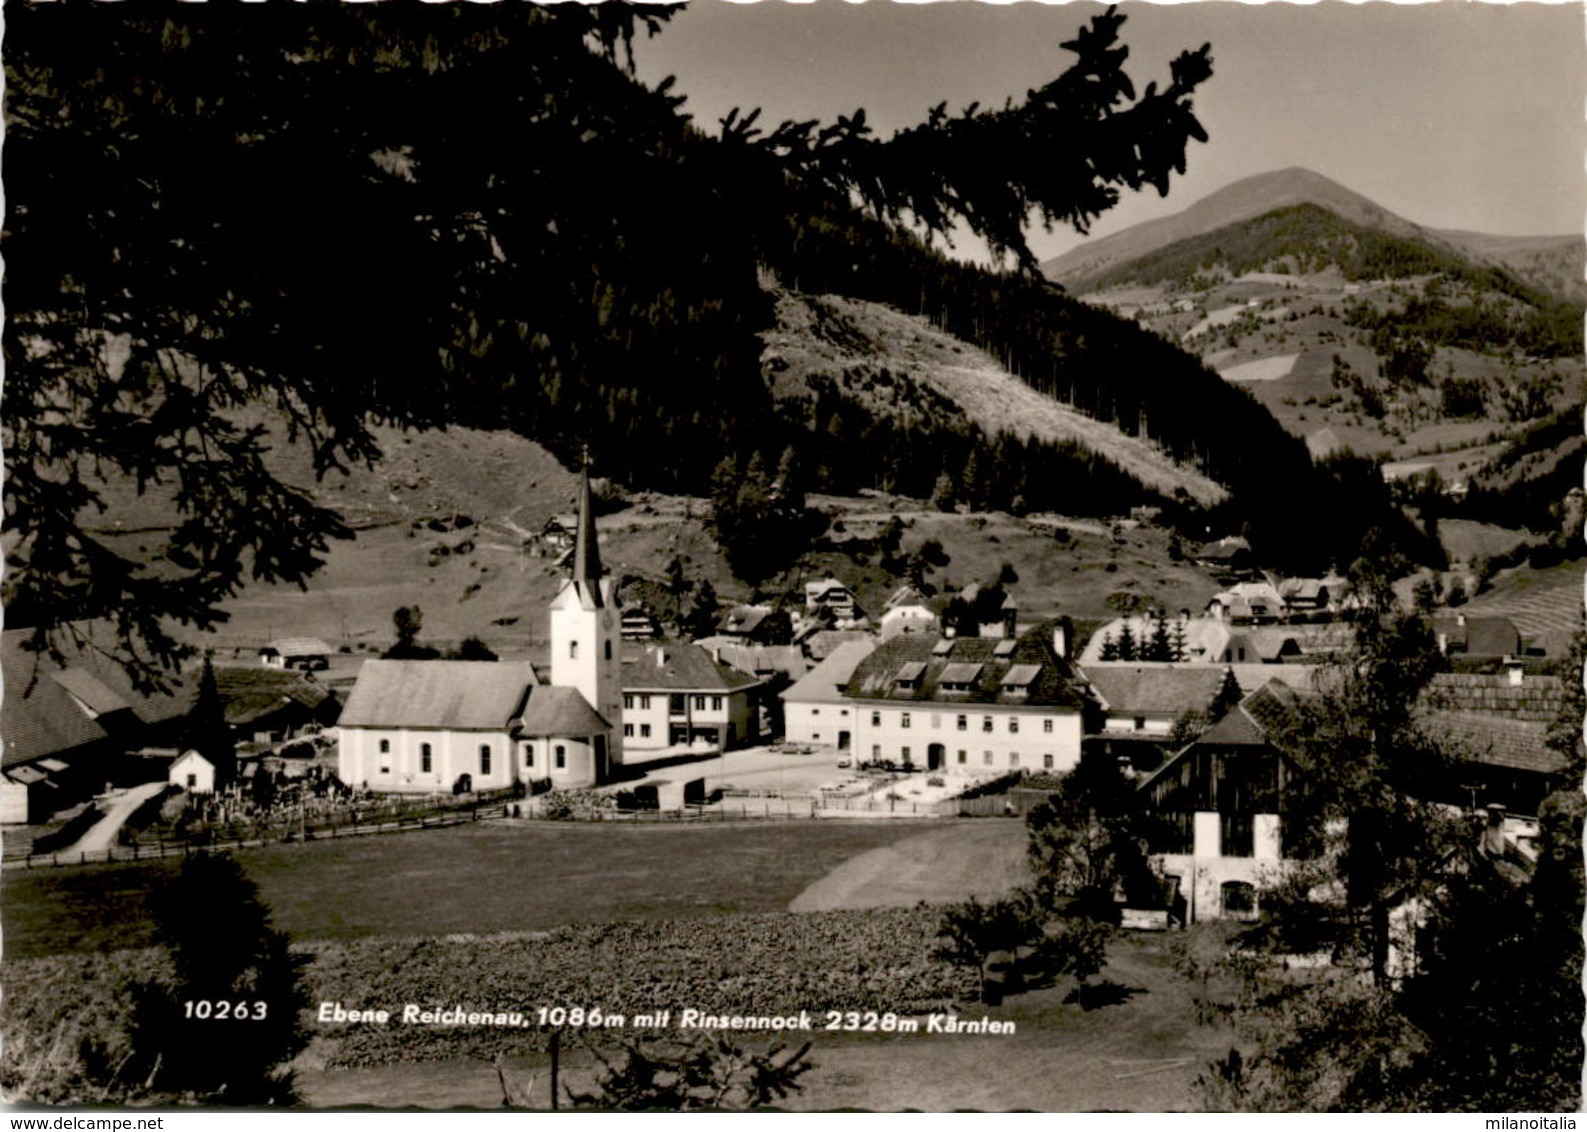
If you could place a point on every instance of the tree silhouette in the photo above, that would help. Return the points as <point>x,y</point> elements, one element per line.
<point>465,171</point>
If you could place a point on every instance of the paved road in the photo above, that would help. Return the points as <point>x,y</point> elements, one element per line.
<point>102,834</point>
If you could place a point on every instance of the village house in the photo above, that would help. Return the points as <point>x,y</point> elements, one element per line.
<point>457,725</point>
<point>968,703</point>
<point>69,724</point>
<point>676,694</point>
<point>832,603</point>
<point>814,709</point>
<point>1228,557</point>
<point>1220,807</point>
<point>910,611</point>
<point>1248,603</point>
<point>1497,728</point>
<point>308,654</point>
<point>192,772</point>
<point>756,624</point>
<point>271,705</point>
<point>1146,701</point>
<point>638,624</point>
<point>1490,638</point>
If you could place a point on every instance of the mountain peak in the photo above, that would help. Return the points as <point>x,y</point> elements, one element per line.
<point>1243,200</point>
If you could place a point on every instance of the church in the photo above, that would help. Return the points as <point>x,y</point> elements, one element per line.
<point>437,726</point>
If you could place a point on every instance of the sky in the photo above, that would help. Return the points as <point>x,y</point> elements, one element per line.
<point>1453,114</point>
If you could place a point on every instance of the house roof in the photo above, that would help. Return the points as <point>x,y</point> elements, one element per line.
<point>742,619</point>
<point>1251,723</point>
<point>757,660</point>
<point>676,666</point>
<point>824,683</point>
<point>877,676</point>
<point>254,692</point>
<point>298,646</point>
<point>1481,636</point>
<point>823,644</point>
<point>557,711</point>
<point>1515,744</point>
<point>463,695</point>
<point>52,708</point>
<point>1156,689</point>
<point>1537,699</point>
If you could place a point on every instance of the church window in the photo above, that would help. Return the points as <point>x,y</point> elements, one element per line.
<point>573,650</point>
<point>628,731</point>
<point>424,758</point>
<point>529,755</point>
<point>484,759</point>
<point>608,650</point>
<point>385,746</point>
<point>562,757</point>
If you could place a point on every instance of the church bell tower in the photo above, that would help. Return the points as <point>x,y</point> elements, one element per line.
<point>586,630</point>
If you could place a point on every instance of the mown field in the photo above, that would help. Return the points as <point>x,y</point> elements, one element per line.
<point>484,878</point>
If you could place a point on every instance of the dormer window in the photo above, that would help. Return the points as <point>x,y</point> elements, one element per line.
<point>1019,679</point>
<point>910,676</point>
<point>959,678</point>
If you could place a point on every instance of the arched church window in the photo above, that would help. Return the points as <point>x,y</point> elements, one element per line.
<point>424,758</point>
<point>484,759</point>
<point>608,650</point>
<point>573,650</point>
<point>562,757</point>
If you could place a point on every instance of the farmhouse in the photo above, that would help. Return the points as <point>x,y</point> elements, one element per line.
<point>425,726</point>
<point>268,705</point>
<point>310,654</point>
<point>1248,603</point>
<point>1221,806</point>
<point>677,694</point>
<point>971,703</point>
<point>910,611</point>
<point>832,603</point>
<point>1497,727</point>
<point>69,723</point>
<point>1145,701</point>
<point>814,709</point>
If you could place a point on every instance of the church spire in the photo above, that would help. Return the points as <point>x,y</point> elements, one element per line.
<point>586,552</point>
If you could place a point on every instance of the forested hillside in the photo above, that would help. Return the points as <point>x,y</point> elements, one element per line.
<point>432,216</point>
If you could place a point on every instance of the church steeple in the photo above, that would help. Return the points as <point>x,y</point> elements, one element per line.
<point>586,551</point>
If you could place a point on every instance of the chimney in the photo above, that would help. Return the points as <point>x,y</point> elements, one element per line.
<point>1493,833</point>
<point>1063,636</point>
<point>661,657</point>
<point>1460,619</point>
<point>1515,671</point>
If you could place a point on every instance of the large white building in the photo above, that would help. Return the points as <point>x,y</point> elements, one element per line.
<point>431,726</point>
<point>968,703</point>
<point>678,695</point>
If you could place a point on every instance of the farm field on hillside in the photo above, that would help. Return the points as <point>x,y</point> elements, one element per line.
<point>479,878</point>
<point>1538,601</point>
<point>1143,1053</point>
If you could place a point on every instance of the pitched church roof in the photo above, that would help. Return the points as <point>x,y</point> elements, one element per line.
<point>560,712</point>
<point>463,695</point>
